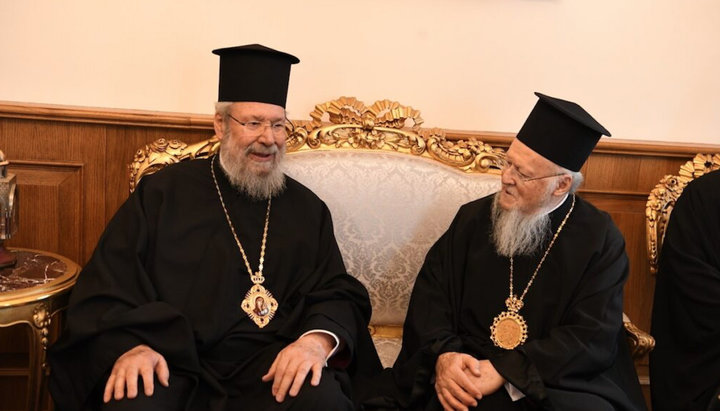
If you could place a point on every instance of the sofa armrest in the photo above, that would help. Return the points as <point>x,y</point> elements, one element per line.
<point>640,342</point>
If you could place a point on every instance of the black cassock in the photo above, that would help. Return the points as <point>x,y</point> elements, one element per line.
<point>168,273</point>
<point>575,357</point>
<point>685,364</point>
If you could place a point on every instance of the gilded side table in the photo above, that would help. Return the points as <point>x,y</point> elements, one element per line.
<point>32,292</point>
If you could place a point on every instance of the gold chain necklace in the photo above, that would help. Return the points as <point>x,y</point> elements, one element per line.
<point>259,303</point>
<point>509,329</point>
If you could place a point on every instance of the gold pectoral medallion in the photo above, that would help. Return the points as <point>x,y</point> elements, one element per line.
<point>509,329</point>
<point>260,305</point>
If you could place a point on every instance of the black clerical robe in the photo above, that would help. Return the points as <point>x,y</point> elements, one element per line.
<point>168,273</point>
<point>685,364</point>
<point>575,356</point>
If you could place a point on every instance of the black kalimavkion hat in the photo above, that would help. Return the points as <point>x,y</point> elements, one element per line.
<point>561,131</point>
<point>254,73</point>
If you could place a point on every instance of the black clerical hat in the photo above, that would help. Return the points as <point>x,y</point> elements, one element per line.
<point>561,131</point>
<point>254,73</point>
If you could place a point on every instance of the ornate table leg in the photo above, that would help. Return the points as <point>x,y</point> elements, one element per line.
<point>38,345</point>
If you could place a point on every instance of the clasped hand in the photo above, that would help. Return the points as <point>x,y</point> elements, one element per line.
<point>461,380</point>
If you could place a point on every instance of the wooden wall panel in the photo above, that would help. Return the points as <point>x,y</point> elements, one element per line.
<point>59,144</point>
<point>72,171</point>
<point>51,216</point>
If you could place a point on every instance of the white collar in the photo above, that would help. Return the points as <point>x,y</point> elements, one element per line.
<point>559,204</point>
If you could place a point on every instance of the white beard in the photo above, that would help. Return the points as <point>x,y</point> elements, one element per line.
<point>257,182</point>
<point>516,233</point>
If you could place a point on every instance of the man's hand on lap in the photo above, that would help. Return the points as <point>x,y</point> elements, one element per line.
<point>140,361</point>
<point>307,354</point>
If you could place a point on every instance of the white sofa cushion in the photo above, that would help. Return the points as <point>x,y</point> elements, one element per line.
<point>388,209</point>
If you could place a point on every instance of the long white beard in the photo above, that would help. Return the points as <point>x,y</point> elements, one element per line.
<point>258,184</point>
<point>516,233</point>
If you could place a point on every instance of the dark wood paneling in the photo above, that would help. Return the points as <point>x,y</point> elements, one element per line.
<point>71,165</point>
<point>628,213</point>
<point>59,144</point>
<point>51,216</point>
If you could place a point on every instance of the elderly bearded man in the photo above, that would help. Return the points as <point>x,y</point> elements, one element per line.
<point>163,316</point>
<point>519,304</point>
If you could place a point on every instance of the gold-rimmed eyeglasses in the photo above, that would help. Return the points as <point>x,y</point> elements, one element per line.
<point>278,128</point>
<point>518,175</point>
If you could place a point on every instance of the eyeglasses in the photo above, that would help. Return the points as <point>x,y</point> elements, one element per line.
<point>517,175</point>
<point>258,127</point>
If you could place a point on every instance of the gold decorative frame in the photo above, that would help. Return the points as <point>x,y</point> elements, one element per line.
<point>162,152</point>
<point>640,342</point>
<point>344,123</point>
<point>662,198</point>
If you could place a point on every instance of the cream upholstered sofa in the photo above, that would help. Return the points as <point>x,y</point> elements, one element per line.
<point>392,192</point>
<point>392,187</point>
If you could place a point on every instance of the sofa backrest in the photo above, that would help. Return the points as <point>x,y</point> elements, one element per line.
<point>388,209</point>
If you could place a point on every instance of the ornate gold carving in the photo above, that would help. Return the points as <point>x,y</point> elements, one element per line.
<point>467,155</point>
<point>41,316</point>
<point>657,213</point>
<point>344,123</point>
<point>162,152</point>
<point>662,198</point>
<point>700,165</point>
<point>41,320</point>
<point>353,125</point>
<point>348,123</point>
<point>640,342</point>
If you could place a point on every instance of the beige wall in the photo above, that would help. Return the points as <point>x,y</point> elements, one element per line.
<point>646,69</point>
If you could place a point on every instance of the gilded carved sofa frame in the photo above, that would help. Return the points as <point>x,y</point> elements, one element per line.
<point>348,124</point>
<point>662,198</point>
<point>658,208</point>
<point>351,125</point>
